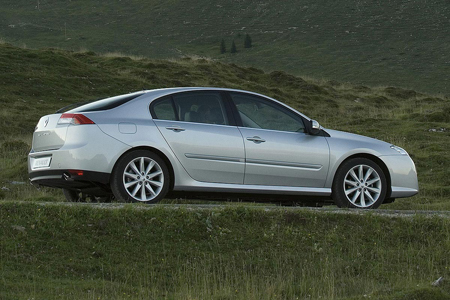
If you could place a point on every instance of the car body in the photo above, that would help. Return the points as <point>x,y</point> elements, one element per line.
<point>143,145</point>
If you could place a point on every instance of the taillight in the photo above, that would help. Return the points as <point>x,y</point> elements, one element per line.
<point>75,119</point>
<point>76,172</point>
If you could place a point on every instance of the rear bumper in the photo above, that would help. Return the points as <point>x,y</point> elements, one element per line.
<point>85,148</point>
<point>69,179</point>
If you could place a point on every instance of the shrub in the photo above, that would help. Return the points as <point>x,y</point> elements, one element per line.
<point>247,41</point>
<point>233,48</point>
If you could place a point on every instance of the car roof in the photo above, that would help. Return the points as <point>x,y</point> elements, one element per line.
<point>168,91</point>
<point>158,93</point>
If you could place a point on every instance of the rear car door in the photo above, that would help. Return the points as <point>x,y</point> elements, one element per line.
<point>278,150</point>
<point>196,126</point>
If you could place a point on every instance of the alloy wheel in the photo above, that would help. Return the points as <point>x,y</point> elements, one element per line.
<point>143,179</point>
<point>362,186</point>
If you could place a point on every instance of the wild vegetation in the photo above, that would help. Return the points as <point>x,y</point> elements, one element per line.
<point>55,251</point>
<point>400,43</point>
<point>84,252</point>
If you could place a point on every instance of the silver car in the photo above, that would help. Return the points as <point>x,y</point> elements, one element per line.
<point>142,146</point>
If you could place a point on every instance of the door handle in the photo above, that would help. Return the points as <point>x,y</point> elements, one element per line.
<point>175,128</point>
<point>256,139</point>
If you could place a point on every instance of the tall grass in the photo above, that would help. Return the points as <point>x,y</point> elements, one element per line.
<point>55,252</point>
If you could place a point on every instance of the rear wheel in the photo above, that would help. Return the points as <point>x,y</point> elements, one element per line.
<point>359,183</point>
<point>140,176</point>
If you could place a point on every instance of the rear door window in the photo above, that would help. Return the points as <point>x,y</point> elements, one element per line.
<point>196,107</point>
<point>164,109</point>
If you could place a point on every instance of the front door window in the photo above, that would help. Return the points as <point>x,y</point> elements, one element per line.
<point>256,112</point>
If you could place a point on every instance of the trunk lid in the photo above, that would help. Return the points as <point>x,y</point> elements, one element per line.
<point>49,135</point>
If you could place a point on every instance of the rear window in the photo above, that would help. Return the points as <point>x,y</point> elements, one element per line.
<point>103,104</point>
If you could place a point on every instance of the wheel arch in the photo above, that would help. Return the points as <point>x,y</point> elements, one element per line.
<point>376,160</point>
<point>157,152</point>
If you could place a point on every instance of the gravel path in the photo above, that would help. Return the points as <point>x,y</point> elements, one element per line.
<point>330,210</point>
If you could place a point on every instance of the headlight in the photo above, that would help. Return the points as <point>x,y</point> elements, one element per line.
<point>399,150</point>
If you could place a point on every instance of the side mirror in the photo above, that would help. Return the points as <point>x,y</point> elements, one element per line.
<point>314,127</point>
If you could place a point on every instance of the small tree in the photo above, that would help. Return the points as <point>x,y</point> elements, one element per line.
<point>223,48</point>
<point>247,41</point>
<point>233,48</point>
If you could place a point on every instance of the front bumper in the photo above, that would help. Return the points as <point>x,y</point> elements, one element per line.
<point>403,175</point>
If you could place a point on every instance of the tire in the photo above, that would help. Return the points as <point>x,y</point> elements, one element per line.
<point>78,196</point>
<point>138,169</point>
<point>359,183</point>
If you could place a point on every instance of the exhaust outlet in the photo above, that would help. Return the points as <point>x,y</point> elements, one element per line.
<point>67,177</point>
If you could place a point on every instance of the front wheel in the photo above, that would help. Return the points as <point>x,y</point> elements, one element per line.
<point>359,183</point>
<point>140,176</point>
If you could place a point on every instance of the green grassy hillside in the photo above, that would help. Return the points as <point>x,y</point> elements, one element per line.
<point>85,252</point>
<point>400,43</point>
<point>166,252</point>
<point>38,82</point>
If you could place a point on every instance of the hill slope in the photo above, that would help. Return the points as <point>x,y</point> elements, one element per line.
<point>401,43</point>
<point>38,82</point>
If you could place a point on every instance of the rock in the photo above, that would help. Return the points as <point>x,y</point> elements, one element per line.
<point>438,281</point>
<point>18,228</point>
<point>437,130</point>
<point>17,182</point>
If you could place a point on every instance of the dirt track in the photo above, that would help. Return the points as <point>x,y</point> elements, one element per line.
<point>330,210</point>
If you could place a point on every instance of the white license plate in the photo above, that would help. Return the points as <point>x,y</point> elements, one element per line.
<point>42,162</point>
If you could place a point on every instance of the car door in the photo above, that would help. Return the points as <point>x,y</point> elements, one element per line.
<point>278,150</point>
<point>196,127</point>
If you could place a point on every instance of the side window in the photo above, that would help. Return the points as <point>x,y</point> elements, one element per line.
<point>256,112</point>
<point>201,107</point>
<point>163,109</point>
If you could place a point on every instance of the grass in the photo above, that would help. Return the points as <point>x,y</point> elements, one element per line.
<point>54,251</point>
<point>365,42</point>
<point>180,253</point>
<point>38,82</point>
